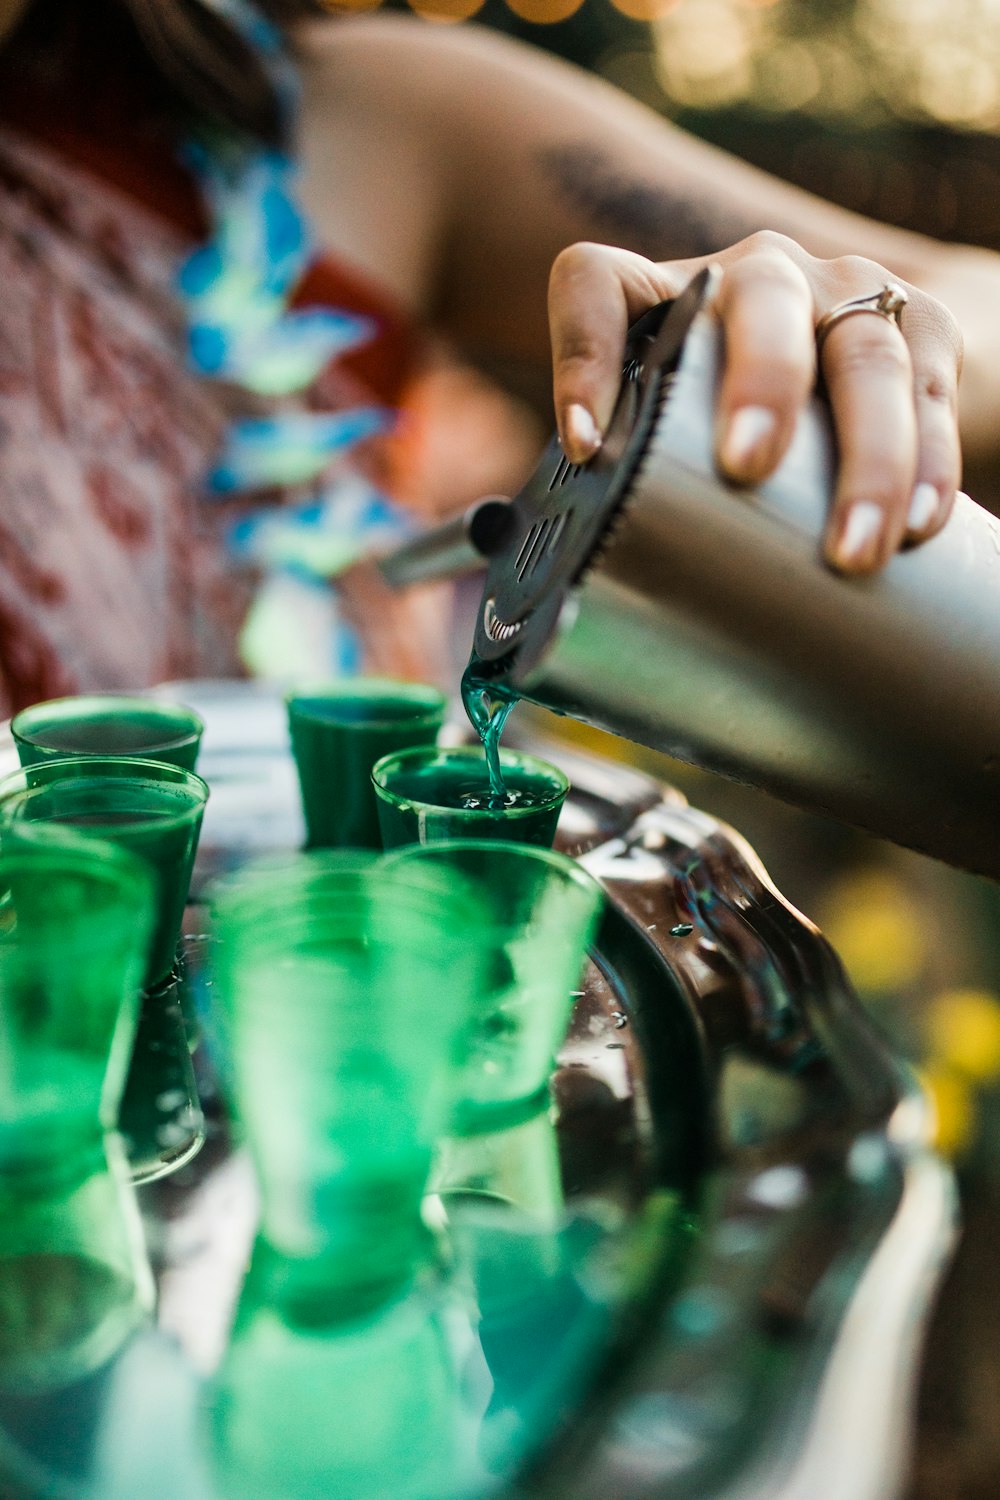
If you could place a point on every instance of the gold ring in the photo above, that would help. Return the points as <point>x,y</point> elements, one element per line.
<point>888,303</point>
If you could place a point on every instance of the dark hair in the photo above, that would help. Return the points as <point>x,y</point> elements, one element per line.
<point>210,67</point>
<point>191,59</point>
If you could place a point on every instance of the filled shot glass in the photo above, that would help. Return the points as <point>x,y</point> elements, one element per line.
<point>541,909</point>
<point>345,990</point>
<point>338,731</point>
<point>108,724</point>
<point>428,794</point>
<point>75,919</point>
<point>358,1410</point>
<point>75,1282</point>
<point>151,809</point>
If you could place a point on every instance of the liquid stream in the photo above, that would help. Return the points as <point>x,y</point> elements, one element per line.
<point>488,714</point>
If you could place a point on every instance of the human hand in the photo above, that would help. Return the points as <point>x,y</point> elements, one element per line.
<point>892,390</point>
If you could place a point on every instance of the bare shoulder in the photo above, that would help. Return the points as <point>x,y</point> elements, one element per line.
<point>395,37</point>
<point>405,126</point>
<point>370,149</point>
<point>380,52</point>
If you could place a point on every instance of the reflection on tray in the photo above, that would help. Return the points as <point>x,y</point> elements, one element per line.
<point>441,1393</point>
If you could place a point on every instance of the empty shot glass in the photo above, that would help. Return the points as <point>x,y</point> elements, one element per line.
<point>338,731</point>
<point>345,989</point>
<point>541,911</point>
<point>149,808</point>
<point>108,724</point>
<point>75,917</point>
<point>428,794</point>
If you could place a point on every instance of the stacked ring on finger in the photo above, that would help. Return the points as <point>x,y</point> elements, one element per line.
<point>887,303</point>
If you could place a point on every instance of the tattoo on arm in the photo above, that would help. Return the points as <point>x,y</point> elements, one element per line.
<point>640,217</point>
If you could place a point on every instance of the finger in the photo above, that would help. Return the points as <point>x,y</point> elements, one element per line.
<point>869,378</point>
<point>766,307</point>
<point>936,353</point>
<point>595,292</point>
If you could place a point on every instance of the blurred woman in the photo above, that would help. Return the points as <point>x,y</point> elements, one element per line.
<point>192,387</point>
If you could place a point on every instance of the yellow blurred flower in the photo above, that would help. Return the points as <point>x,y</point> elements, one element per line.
<point>954,1108</point>
<point>963,1032</point>
<point>872,921</point>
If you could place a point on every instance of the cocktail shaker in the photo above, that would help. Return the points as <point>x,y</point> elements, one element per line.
<point>644,594</point>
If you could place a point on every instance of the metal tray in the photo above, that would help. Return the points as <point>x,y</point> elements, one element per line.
<point>716,1249</point>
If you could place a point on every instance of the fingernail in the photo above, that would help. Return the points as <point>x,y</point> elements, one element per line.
<point>924,506</point>
<point>581,435</point>
<point>748,432</point>
<point>859,542</point>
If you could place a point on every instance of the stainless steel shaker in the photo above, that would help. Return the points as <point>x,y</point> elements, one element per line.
<point>643,594</point>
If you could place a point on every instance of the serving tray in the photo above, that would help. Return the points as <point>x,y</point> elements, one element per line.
<point>703,1271</point>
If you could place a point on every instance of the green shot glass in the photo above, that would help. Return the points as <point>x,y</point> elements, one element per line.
<point>75,917</point>
<point>541,911</point>
<point>338,732</point>
<point>149,808</point>
<point>161,1121</point>
<point>75,1282</point>
<point>429,794</point>
<point>108,724</point>
<point>376,1407</point>
<point>516,1166</point>
<point>345,990</point>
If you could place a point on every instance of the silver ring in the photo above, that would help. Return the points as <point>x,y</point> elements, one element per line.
<point>888,303</point>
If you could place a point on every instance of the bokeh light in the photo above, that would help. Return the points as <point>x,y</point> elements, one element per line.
<point>544,12</point>
<point>646,10</point>
<point>705,53</point>
<point>446,11</point>
<point>921,61</point>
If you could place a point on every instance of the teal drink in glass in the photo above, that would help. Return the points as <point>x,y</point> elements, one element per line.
<point>345,989</point>
<point>150,809</point>
<point>161,1121</point>
<point>75,917</point>
<point>540,912</point>
<point>75,1282</point>
<point>429,794</point>
<point>108,724</point>
<point>338,731</point>
<point>365,1410</point>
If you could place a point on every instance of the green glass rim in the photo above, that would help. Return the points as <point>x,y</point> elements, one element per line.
<point>111,873</point>
<point>272,879</point>
<point>281,895</point>
<point>91,706</point>
<point>498,849</point>
<point>362,690</point>
<point>18,787</point>
<point>546,771</point>
<point>76,854</point>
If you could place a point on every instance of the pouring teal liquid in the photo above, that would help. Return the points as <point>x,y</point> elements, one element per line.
<point>440,792</point>
<point>488,714</point>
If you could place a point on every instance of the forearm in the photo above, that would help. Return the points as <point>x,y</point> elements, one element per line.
<point>494,157</point>
<point>545,155</point>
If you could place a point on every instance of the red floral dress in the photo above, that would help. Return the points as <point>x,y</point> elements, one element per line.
<point>113,569</point>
